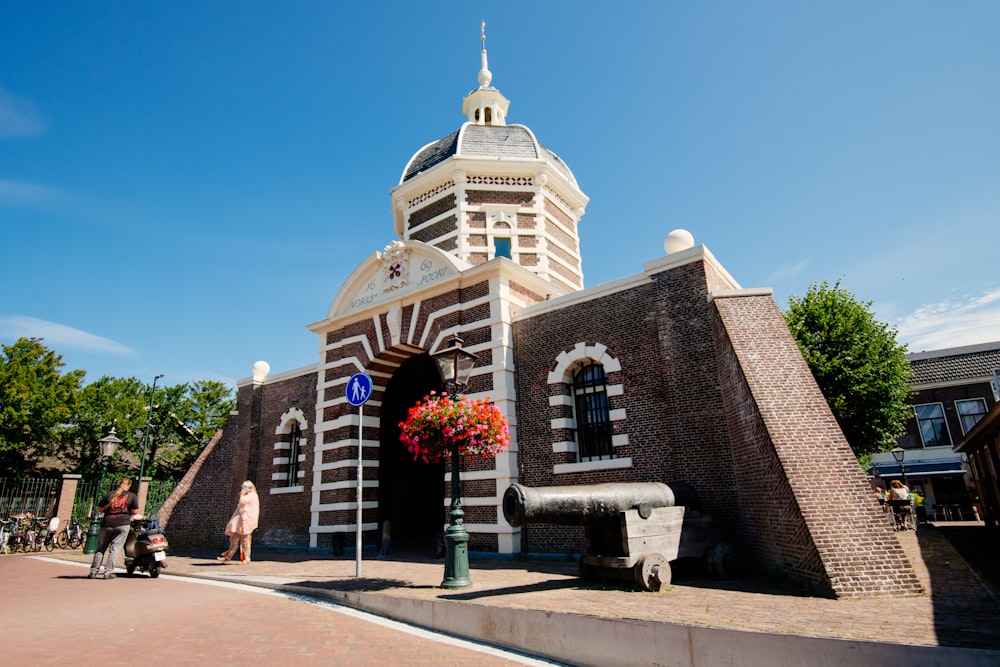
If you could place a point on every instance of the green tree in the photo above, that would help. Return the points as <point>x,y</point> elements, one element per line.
<point>36,401</point>
<point>106,403</point>
<point>49,419</point>
<point>184,418</point>
<point>860,368</point>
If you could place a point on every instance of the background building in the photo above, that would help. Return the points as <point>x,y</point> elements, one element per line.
<point>954,389</point>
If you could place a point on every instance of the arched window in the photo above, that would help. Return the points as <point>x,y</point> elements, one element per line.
<point>290,450</point>
<point>489,115</point>
<point>593,415</point>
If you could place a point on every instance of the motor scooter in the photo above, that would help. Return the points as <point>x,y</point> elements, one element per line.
<point>145,546</point>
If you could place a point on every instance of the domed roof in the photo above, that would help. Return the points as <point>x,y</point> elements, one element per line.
<point>511,142</point>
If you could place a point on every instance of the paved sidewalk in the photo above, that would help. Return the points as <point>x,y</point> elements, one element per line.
<point>957,609</point>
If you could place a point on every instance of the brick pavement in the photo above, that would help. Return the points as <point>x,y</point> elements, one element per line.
<point>52,614</point>
<point>955,610</point>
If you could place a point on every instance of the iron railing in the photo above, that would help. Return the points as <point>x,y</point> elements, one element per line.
<point>22,495</point>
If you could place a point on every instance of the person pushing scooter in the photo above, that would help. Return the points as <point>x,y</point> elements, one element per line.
<point>117,507</point>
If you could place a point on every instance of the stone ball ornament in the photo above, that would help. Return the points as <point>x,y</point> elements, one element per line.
<point>678,240</point>
<point>260,370</point>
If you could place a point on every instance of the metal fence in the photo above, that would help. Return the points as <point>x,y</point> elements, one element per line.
<point>83,504</point>
<point>19,496</point>
<point>40,496</point>
<point>159,491</point>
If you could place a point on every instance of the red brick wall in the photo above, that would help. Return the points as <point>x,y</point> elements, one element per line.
<point>806,510</point>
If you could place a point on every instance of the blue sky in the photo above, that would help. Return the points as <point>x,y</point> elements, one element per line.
<point>184,186</point>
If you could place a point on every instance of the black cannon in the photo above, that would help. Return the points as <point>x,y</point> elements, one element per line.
<point>633,530</point>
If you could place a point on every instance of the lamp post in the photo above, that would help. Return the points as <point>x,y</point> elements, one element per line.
<point>109,444</point>
<point>145,438</point>
<point>899,454</point>
<point>455,365</point>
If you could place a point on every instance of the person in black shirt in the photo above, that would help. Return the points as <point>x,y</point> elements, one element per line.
<point>118,508</point>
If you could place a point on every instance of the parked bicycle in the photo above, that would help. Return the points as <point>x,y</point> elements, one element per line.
<point>31,542</point>
<point>6,534</point>
<point>46,536</point>
<point>72,535</point>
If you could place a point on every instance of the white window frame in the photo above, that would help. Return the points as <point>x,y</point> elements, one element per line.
<point>944,419</point>
<point>961,416</point>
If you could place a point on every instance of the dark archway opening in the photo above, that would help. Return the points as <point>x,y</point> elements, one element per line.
<point>411,493</point>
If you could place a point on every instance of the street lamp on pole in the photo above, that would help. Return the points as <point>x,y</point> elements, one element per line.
<point>145,437</point>
<point>108,444</point>
<point>455,365</point>
<point>899,454</point>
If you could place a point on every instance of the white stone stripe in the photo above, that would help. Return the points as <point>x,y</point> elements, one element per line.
<point>586,466</point>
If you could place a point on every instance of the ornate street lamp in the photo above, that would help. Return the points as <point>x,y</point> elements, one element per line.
<point>455,365</point>
<point>899,454</point>
<point>145,438</point>
<point>109,444</point>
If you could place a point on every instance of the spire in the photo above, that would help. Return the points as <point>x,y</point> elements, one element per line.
<point>485,105</point>
<point>485,75</point>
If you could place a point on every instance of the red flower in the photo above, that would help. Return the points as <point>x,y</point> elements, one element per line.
<point>437,423</point>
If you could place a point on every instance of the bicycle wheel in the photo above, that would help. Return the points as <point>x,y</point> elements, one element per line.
<point>62,541</point>
<point>50,543</point>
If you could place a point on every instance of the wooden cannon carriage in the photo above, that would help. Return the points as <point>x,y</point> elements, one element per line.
<point>633,530</point>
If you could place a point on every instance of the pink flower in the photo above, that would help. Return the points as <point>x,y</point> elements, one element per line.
<point>438,422</point>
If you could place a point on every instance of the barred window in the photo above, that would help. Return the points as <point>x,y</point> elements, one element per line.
<point>293,455</point>
<point>593,416</point>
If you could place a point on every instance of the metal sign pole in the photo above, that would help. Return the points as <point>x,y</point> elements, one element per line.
<point>359,390</point>
<point>357,542</point>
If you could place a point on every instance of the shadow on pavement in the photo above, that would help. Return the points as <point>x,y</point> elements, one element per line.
<point>980,547</point>
<point>360,585</point>
<point>552,585</point>
<point>965,611</point>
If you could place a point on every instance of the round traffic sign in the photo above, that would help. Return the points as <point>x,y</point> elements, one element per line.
<point>359,389</point>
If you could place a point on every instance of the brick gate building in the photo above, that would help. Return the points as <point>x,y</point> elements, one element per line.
<point>674,373</point>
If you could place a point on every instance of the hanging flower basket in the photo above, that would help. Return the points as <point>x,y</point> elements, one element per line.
<point>438,422</point>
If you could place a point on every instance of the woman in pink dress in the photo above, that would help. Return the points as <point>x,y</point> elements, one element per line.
<point>242,524</point>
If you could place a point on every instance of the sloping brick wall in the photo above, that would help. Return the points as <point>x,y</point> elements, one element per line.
<point>807,510</point>
<point>195,514</point>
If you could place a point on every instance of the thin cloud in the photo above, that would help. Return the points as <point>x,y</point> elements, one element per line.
<point>21,193</point>
<point>964,320</point>
<point>60,336</point>
<point>787,271</point>
<point>18,116</point>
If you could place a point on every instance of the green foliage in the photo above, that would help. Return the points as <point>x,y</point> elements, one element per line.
<point>860,368</point>
<point>36,399</point>
<point>50,420</point>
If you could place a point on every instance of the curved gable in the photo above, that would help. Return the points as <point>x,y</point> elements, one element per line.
<point>402,267</point>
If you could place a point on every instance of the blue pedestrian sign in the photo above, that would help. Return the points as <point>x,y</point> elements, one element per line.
<point>359,389</point>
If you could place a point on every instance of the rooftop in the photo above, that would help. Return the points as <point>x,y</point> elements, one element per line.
<point>955,363</point>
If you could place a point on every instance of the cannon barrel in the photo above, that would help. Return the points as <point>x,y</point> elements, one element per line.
<point>588,504</point>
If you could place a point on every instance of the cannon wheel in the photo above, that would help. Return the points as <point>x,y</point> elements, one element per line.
<point>652,573</point>
<point>720,560</point>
